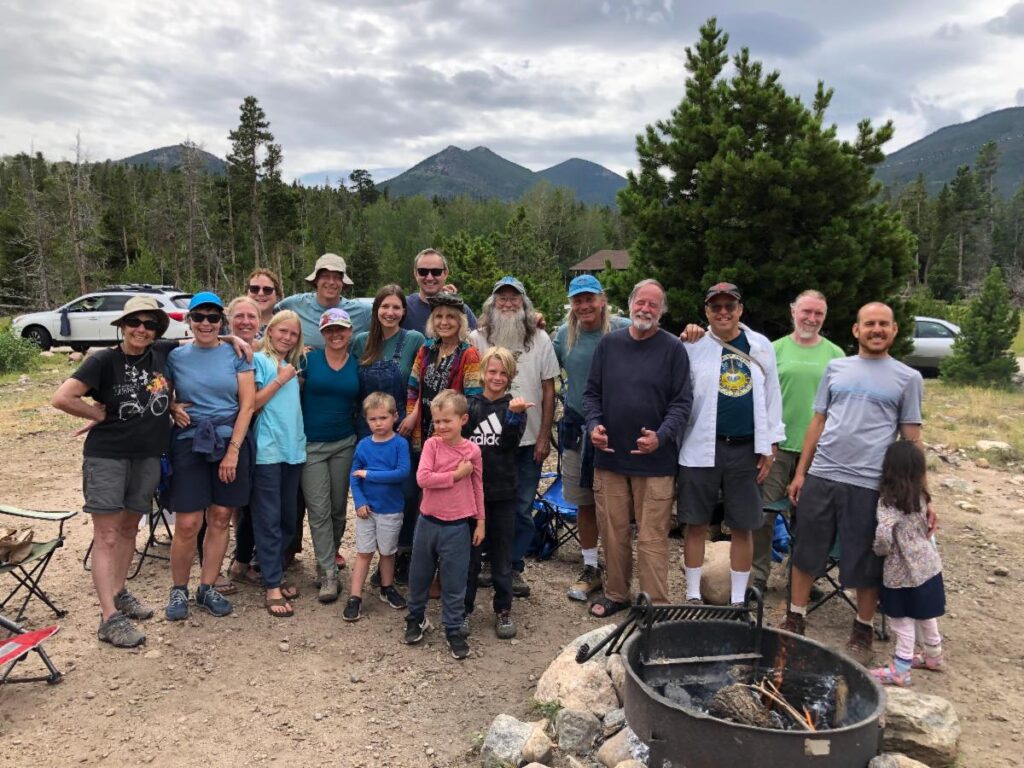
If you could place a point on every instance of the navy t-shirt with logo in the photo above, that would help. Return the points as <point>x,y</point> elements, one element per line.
<point>497,431</point>
<point>736,392</point>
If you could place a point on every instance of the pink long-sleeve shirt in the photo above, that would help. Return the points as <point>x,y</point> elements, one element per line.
<point>444,497</point>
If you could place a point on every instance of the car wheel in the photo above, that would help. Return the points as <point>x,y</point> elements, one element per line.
<point>39,336</point>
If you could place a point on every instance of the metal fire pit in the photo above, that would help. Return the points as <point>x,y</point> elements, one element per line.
<point>662,645</point>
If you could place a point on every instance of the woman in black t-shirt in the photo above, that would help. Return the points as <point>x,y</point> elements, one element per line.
<point>126,393</point>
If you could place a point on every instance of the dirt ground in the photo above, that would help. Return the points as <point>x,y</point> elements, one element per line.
<point>256,690</point>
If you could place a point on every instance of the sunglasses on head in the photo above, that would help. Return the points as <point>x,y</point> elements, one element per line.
<point>135,322</point>
<point>432,271</point>
<point>214,318</point>
<point>266,290</point>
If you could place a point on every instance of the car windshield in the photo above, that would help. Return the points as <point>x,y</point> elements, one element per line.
<point>182,301</point>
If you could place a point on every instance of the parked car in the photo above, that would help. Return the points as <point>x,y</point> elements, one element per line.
<point>87,319</point>
<point>933,342</point>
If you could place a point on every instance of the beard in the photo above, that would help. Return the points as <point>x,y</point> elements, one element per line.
<point>642,323</point>
<point>804,332</point>
<point>507,330</point>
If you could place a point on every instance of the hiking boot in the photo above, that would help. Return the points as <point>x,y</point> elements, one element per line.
<point>329,589</point>
<point>177,605</point>
<point>414,629</point>
<point>862,640</point>
<point>131,606</point>
<point>352,610</point>
<point>485,580</point>
<point>120,632</point>
<point>457,645</point>
<point>519,586</point>
<point>504,627</point>
<point>589,580</point>
<point>392,597</point>
<point>209,599</point>
<point>795,623</point>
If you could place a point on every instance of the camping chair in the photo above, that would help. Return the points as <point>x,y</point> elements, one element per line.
<point>554,518</point>
<point>29,573</point>
<point>16,649</point>
<point>831,571</point>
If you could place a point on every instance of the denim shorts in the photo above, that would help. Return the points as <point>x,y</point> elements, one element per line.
<point>110,485</point>
<point>195,484</point>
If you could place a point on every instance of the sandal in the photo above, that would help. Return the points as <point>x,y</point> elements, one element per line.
<point>224,585</point>
<point>608,607</point>
<point>289,591</point>
<point>889,675</point>
<point>271,603</point>
<point>248,576</point>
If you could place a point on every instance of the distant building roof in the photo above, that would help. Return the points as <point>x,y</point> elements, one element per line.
<point>595,261</point>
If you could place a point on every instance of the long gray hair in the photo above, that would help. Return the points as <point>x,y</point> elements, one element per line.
<point>529,318</point>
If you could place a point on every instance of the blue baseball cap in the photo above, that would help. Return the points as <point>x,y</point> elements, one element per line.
<point>584,284</point>
<point>509,281</point>
<point>205,297</point>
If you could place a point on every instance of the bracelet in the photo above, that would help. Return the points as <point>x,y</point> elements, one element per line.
<point>279,382</point>
<point>235,443</point>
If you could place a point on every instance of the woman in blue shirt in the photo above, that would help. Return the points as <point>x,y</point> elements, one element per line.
<point>330,394</point>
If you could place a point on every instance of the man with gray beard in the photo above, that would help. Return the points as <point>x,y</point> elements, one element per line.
<point>508,320</point>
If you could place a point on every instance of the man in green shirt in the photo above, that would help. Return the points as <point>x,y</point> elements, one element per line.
<point>802,357</point>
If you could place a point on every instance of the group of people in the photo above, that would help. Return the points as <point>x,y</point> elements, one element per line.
<point>438,425</point>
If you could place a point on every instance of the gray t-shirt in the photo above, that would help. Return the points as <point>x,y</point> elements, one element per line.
<point>864,402</point>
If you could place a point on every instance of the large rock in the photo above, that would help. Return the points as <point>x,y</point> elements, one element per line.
<point>715,583</point>
<point>537,748</point>
<point>577,730</point>
<point>616,669</point>
<point>613,722</point>
<point>618,748</point>
<point>579,686</point>
<point>505,741</point>
<point>922,727</point>
<point>894,760</point>
<point>997,446</point>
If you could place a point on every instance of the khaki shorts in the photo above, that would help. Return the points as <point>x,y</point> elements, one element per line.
<point>110,485</point>
<point>571,467</point>
<point>779,476</point>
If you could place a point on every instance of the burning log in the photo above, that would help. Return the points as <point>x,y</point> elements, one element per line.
<point>738,703</point>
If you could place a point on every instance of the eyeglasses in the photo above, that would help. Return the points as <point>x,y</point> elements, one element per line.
<point>135,322</point>
<point>432,271</point>
<point>729,306</point>
<point>213,318</point>
<point>266,290</point>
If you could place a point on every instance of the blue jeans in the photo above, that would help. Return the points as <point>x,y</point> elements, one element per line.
<point>450,544</point>
<point>275,493</point>
<point>527,478</point>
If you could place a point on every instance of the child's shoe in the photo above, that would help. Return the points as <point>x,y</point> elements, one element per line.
<point>352,610</point>
<point>414,629</point>
<point>504,627</point>
<point>889,675</point>
<point>933,662</point>
<point>392,597</point>
<point>457,644</point>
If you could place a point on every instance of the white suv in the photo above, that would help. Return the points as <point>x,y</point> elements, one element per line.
<point>88,317</point>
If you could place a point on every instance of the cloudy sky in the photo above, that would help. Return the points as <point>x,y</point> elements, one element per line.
<point>360,84</point>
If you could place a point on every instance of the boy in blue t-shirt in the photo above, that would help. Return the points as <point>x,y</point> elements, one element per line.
<point>379,469</point>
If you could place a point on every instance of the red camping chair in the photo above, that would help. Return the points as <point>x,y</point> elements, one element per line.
<point>17,647</point>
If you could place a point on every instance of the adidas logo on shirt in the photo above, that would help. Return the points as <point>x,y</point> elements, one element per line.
<point>488,431</point>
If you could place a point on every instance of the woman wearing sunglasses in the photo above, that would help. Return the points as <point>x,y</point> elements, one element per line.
<point>264,288</point>
<point>212,457</point>
<point>128,391</point>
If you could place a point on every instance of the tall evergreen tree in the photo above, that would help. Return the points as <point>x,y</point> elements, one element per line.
<point>253,156</point>
<point>745,183</point>
<point>982,354</point>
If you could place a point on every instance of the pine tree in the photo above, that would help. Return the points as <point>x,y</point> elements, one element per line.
<point>253,157</point>
<point>745,183</point>
<point>982,353</point>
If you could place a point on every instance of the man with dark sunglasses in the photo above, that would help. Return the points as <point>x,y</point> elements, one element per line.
<point>430,269</point>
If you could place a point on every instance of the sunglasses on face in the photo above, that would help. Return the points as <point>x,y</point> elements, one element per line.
<point>213,318</point>
<point>432,271</point>
<point>135,322</point>
<point>256,290</point>
<point>729,306</point>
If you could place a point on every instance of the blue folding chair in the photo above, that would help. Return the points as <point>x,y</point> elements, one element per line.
<point>554,518</point>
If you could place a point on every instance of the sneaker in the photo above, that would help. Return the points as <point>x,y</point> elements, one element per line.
<point>392,597</point>
<point>329,589</point>
<point>862,639</point>
<point>352,612</point>
<point>889,675</point>
<point>485,580</point>
<point>414,629</point>
<point>457,645</point>
<point>589,580</point>
<point>375,579</point>
<point>933,663</point>
<point>795,623</point>
<point>209,599</point>
<point>465,629</point>
<point>131,606</point>
<point>504,627</point>
<point>120,632</point>
<point>519,586</point>
<point>177,605</point>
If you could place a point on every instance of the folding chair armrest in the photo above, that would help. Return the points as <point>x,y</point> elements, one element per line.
<point>47,516</point>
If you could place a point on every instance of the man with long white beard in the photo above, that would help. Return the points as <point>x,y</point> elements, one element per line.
<point>636,404</point>
<point>508,320</point>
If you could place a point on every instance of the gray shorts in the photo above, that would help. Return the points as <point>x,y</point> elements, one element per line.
<point>828,509</point>
<point>110,485</point>
<point>378,533</point>
<point>735,477</point>
<point>572,463</point>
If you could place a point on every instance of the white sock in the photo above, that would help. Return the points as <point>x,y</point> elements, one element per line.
<point>738,580</point>
<point>590,557</point>
<point>693,581</point>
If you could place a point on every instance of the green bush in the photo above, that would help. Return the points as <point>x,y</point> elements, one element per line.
<point>921,302</point>
<point>982,353</point>
<point>16,354</point>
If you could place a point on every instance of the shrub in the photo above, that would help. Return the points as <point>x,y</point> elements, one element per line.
<point>16,354</point>
<point>982,353</point>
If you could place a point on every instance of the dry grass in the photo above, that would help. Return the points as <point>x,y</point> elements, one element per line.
<point>960,416</point>
<point>25,398</point>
